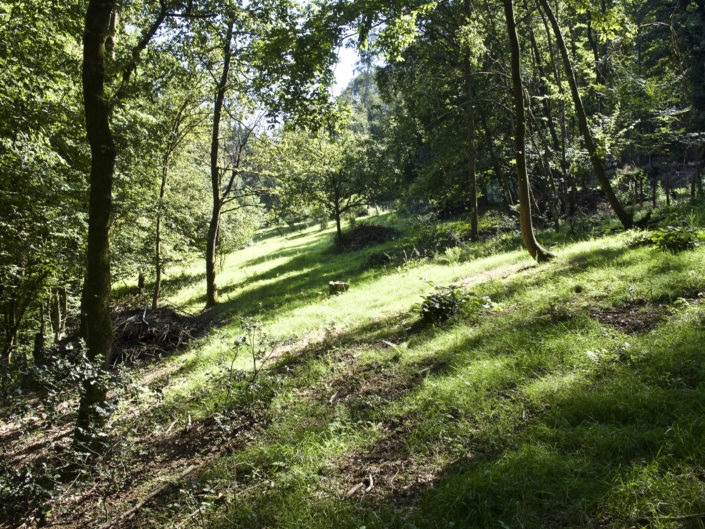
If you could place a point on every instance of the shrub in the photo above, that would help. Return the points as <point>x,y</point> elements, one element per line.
<point>446,302</point>
<point>676,239</point>
<point>25,491</point>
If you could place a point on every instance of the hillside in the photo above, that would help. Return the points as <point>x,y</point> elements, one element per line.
<point>574,399</point>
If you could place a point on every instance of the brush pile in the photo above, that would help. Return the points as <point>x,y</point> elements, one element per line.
<point>364,235</point>
<point>143,334</point>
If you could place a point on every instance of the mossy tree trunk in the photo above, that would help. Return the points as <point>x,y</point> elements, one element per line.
<point>95,307</point>
<point>96,327</point>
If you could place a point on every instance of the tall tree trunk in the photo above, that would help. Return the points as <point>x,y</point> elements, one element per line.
<point>503,182</point>
<point>597,164</point>
<point>596,58</point>
<point>39,353</point>
<point>95,300</point>
<point>699,172</point>
<point>158,235</point>
<point>57,316</point>
<point>10,332</point>
<point>95,309</point>
<point>211,244</point>
<point>527,230</point>
<point>211,255</point>
<point>470,123</point>
<point>542,89</point>
<point>569,179</point>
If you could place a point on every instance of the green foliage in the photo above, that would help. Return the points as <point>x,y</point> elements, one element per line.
<point>446,302</point>
<point>675,239</point>
<point>26,490</point>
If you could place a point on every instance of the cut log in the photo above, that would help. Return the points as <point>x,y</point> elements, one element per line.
<point>337,287</point>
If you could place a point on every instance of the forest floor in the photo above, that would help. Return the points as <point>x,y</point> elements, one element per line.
<point>576,400</point>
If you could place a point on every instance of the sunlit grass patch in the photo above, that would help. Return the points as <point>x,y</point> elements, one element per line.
<point>543,410</point>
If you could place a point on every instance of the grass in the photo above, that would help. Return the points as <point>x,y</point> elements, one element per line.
<point>550,410</point>
<point>533,415</point>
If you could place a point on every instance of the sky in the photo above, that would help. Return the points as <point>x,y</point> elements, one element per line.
<point>345,69</point>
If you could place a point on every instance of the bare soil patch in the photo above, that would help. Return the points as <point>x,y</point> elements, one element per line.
<point>632,318</point>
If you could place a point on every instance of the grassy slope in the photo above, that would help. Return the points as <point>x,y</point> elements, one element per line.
<point>532,415</point>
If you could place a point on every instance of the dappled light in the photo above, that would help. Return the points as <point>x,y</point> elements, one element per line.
<point>464,290</point>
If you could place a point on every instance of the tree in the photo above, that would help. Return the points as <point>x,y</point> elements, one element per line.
<point>626,219</point>
<point>42,159</point>
<point>470,119</point>
<point>215,170</point>
<point>179,123</point>
<point>527,230</point>
<point>322,170</point>
<point>99,32</point>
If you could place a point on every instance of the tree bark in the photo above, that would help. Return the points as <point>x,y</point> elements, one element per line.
<point>158,235</point>
<point>211,243</point>
<point>39,353</point>
<point>472,152</point>
<point>569,179</point>
<point>57,317</point>
<point>699,172</point>
<point>470,123</point>
<point>95,309</point>
<point>96,326</point>
<point>597,164</point>
<point>527,231</point>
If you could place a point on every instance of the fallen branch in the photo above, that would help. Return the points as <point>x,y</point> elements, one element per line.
<point>156,492</point>
<point>677,518</point>
<point>192,469</point>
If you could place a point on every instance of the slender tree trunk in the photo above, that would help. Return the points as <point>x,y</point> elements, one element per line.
<point>158,235</point>
<point>95,309</point>
<point>39,353</point>
<point>692,185</point>
<point>470,123</point>
<point>211,244</point>
<point>599,80</point>
<point>157,262</point>
<point>554,203</point>
<point>569,179</point>
<point>336,212</point>
<point>597,164</point>
<point>543,91</point>
<point>527,230</point>
<point>667,188</point>
<point>699,172</point>
<point>504,184</point>
<point>471,132</point>
<point>10,333</point>
<point>57,317</point>
<point>211,251</point>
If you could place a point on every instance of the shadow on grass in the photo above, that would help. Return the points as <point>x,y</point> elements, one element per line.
<point>295,283</point>
<point>620,447</point>
<point>289,251</point>
<point>617,451</point>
